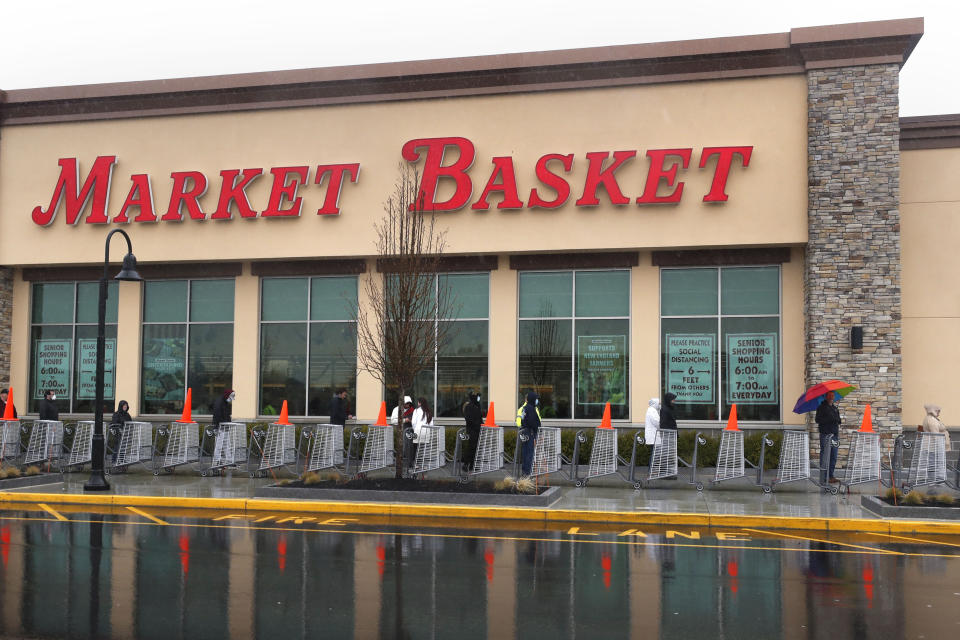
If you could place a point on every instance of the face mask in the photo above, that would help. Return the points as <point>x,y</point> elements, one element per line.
<point>53,396</point>
<point>478,397</point>
<point>231,397</point>
<point>537,402</point>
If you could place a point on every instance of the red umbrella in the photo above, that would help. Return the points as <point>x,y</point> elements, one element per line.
<point>813,396</point>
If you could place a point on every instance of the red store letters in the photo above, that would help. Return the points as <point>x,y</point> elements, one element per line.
<point>442,160</point>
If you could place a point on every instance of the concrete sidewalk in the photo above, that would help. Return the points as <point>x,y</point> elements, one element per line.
<point>609,495</point>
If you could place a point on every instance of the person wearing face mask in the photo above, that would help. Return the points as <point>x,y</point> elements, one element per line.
<point>222,408</point>
<point>528,420</point>
<point>652,422</point>
<point>338,408</point>
<point>473,418</point>
<point>48,406</point>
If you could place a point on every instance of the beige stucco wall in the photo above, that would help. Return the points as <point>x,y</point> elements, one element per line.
<point>767,202</point>
<point>930,232</point>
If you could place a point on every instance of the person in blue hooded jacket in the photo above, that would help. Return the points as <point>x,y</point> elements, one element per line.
<point>529,424</point>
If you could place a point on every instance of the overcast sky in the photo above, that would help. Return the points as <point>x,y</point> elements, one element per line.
<point>65,42</point>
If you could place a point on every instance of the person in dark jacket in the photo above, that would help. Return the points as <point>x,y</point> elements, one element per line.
<point>338,408</point>
<point>667,407</point>
<point>530,425</point>
<point>122,414</point>
<point>828,424</point>
<point>3,403</point>
<point>222,408</point>
<point>48,406</point>
<point>473,418</point>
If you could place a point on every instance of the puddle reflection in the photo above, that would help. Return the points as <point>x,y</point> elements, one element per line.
<point>120,580</point>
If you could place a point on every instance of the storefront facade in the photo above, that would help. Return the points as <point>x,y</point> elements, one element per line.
<point>707,217</point>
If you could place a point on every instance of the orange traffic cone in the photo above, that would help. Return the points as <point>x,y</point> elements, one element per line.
<point>284,418</point>
<point>8,410</point>
<point>605,423</point>
<point>867,425</point>
<point>382,416</point>
<point>186,417</point>
<point>732,420</point>
<point>490,422</point>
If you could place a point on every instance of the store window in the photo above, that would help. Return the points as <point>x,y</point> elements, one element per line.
<point>461,365</point>
<point>187,342</point>
<point>720,341</point>
<point>308,343</point>
<point>574,342</point>
<point>63,344</point>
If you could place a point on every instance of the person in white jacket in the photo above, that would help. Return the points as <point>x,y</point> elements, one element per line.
<point>652,424</point>
<point>422,417</point>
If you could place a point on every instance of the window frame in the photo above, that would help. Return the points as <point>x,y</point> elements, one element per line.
<point>308,321</point>
<point>719,317</point>
<point>188,322</point>
<point>73,324</point>
<point>573,317</point>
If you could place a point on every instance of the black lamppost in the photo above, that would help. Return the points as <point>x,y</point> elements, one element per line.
<point>128,272</point>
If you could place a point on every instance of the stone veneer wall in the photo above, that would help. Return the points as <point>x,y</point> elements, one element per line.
<point>6,321</point>
<point>852,264</point>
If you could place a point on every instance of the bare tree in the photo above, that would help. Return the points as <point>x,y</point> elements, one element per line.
<point>398,333</point>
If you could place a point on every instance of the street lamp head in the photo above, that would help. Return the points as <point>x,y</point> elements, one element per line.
<point>129,270</point>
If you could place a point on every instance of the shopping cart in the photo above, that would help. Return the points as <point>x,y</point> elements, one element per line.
<point>279,449</point>
<point>546,452</point>
<point>794,458</point>
<point>176,445</point>
<point>326,446</point>
<point>863,461</point>
<point>663,460</point>
<point>430,450</point>
<point>490,454</point>
<point>227,447</point>
<point>928,465</point>
<point>730,460</point>
<point>378,451</point>
<point>80,450</point>
<point>10,444</point>
<point>136,446</point>
<point>46,443</point>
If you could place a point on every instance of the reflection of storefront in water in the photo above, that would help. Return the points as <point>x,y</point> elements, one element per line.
<point>599,253</point>
<point>173,582</point>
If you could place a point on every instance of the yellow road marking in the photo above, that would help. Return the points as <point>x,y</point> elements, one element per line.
<point>857,550</point>
<point>933,542</point>
<point>52,512</point>
<point>841,544</point>
<point>147,515</point>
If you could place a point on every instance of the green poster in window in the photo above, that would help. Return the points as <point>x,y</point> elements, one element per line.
<point>52,367</point>
<point>752,368</point>
<point>601,369</point>
<point>691,360</point>
<point>87,368</point>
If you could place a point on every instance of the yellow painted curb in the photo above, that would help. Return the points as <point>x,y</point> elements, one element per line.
<point>544,515</point>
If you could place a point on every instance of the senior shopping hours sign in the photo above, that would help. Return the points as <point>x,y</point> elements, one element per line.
<point>52,367</point>
<point>691,367</point>
<point>752,368</point>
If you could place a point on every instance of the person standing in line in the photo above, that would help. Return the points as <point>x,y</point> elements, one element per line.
<point>3,402</point>
<point>48,406</point>
<point>528,419</point>
<point>667,419</point>
<point>652,422</point>
<point>222,408</point>
<point>122,414</point>
<point>338,408</point>
<point>932,424</point>
<point>422,417</point>
<point>407,411</point>
<point>473,419</point>
<point>828,424</point>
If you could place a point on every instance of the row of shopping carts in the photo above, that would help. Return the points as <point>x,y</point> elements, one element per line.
<point>262,451</point>
<point>46,444</point>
